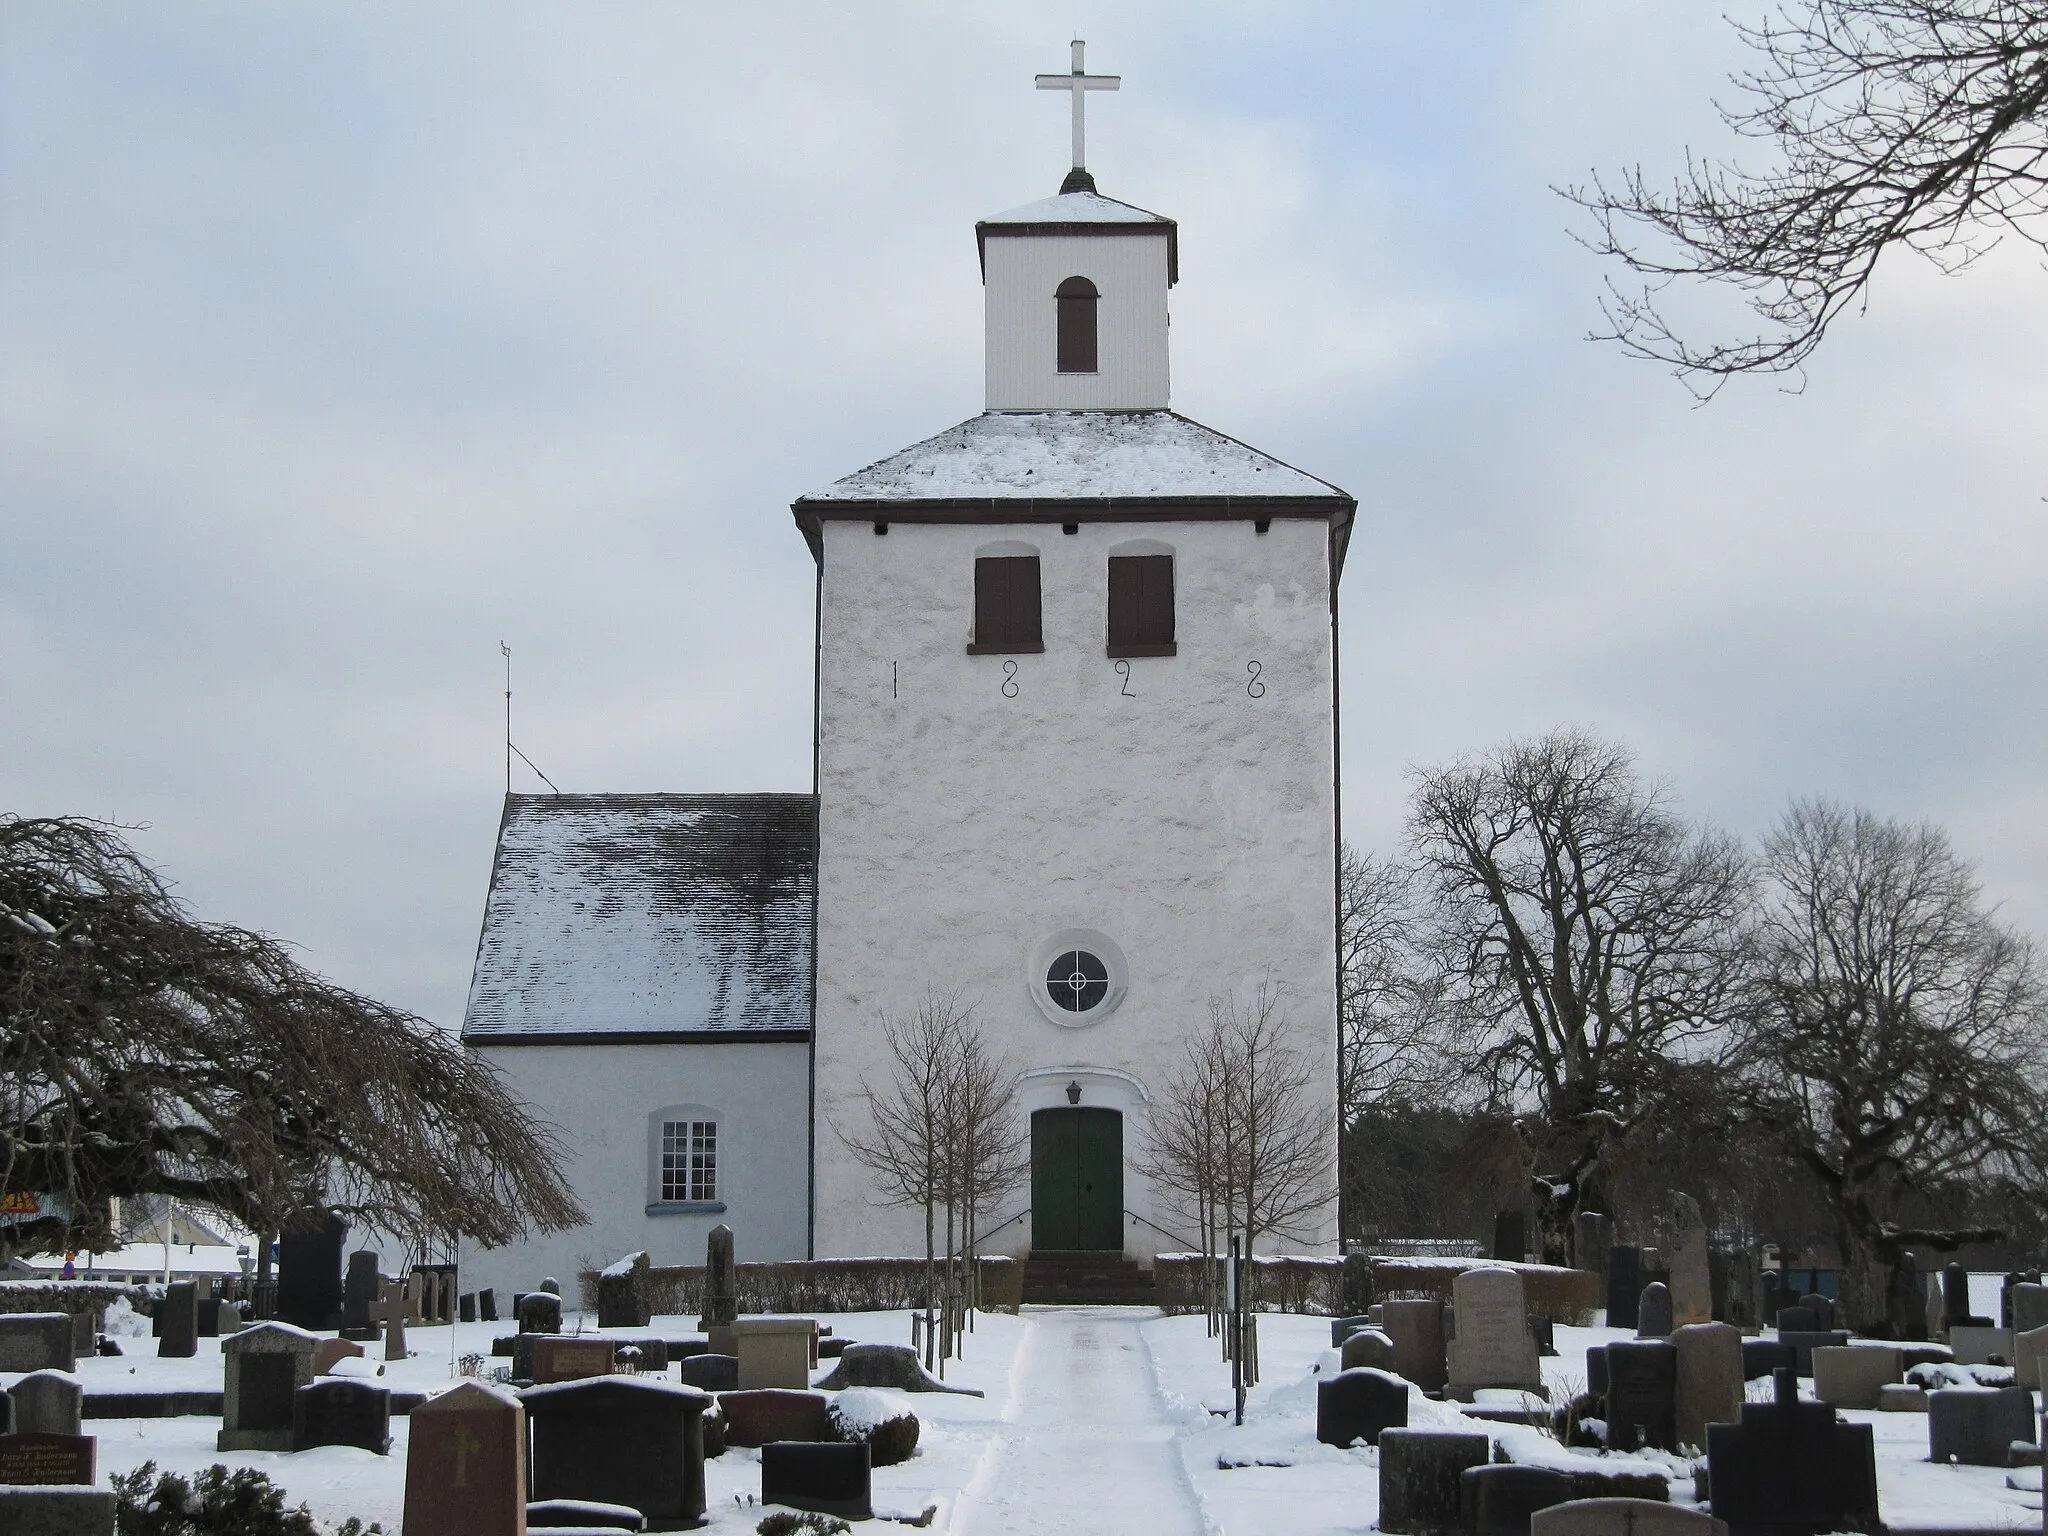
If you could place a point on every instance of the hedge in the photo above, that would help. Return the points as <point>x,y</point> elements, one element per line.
<point>818,1285</point>
<point>69,1296</point>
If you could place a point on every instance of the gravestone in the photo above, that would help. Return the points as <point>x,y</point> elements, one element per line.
<point>1771,1295</point>
<point>1801,1319</point>
<point>1976,1426</point>
<point>309,1272</point>
<point>540,1312</point>
<point>620,1440</point>
<point>1709,1389</point>
<point>328,1351</point>
<point>1955,1295</point>
<point>1596,1370</point>
<point>359,1289</point>
<point>1511,1236</point>
<point>1933,1294</point>
<point>465,1306</point>
<point>1803,1345</point>
<point>342,1412</point>
<point>1742,1305</point>
<point>1974,1344</point>
<point>1822,1309</point>
<point>622,1293</point>
<point>36,1341</point>
<point>390,1309</point>
<point>555,1357</point>
<point>47,1403</point>
<point>582,1516</point>
<point>1592,1244</point>
<point>1417,1329</point>
<point>710,1373</point>
<point>1498,1500</point>
<point>721,1290</point>
<point>2030,1359</point>
<point>830,1479</point>
<point>1793,1464</point>
<point>2029,1307</point>
<point>1624,1286</point>
<point>205,1310</point>
<point>45,1461</point>
<point>228,1319</point>
<point>465,1464</point>
<point>487,1305</point>
<point>775,1351</point>
<point>1492,1346</point>
<point>1692,1287</point>
<point>1357,1282</point>
<point>1419,1477</point>
<point>885,1365</point>
<point>261,1368</point>
<point>1854,1378</point>
<point>1367,1348</point>
<point>1623,1517</point>
<point>179,1312</point>
<point>57,1511</point>
<point>1654,1311</point>
<point>1356,1405</point>
<point>1901,1397</point>
<point>1641,1391</point>
<point>764,1414</point>
<point>1341,1328</point>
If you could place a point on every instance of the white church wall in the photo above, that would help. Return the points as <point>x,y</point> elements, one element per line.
<point>1021,275</point>
<point>972,807</point>
<point>602,1096</point>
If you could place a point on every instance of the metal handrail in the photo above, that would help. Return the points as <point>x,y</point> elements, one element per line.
<point>992,1231</point>
<point>1188,1246</point>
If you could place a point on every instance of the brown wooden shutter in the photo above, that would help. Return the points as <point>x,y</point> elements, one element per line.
<point>1006,605</point>
<point>1076,298</point>
<point>1141,605</point>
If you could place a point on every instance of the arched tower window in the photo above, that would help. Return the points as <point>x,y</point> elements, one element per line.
<point>1076,297</point>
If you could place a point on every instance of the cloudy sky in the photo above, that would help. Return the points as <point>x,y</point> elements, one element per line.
<point>340,342</point>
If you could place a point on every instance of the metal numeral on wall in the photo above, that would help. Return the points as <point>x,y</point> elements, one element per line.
<point>1009,679</point>
<point>1254,689</point>
<point>1123,670</point>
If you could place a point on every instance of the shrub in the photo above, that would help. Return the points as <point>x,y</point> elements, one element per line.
<point>783,1523</point>
<point>216,1502</point>
<point>889,1430</point>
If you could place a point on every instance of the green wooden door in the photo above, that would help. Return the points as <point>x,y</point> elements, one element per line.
<point>1077,1179</point>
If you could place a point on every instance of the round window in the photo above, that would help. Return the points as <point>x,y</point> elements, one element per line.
<point>1077,980</point>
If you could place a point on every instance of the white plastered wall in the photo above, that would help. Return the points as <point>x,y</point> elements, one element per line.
<point>1184,807</point>
<point>601,1096</point>
<point>1021,276</point>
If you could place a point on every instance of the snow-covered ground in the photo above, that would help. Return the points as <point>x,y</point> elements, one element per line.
<point>1094,1419</point>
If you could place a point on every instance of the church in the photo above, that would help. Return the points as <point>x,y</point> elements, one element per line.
<point>1075,771</point>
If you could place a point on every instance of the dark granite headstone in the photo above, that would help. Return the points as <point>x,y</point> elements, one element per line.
<point>1419,1477</point>
<point>1955,1295</point>
<point>47,1460</point>
<point>1977,1427</point>
<point>1800,1319</point>
<point>1545,1335</point>
<point>583,1514</point>
<point>266,1382</point>
<point>766,1414</point>
<point>43,1403</point>
<point>620,1440</point>
<point>1822,1309</point>
<point>828,1478</point>
<point>1642,1378</point>
<point>1760,1357</point>
<point>1354,1406</point>
<point>36,1341</point>
<point>1596,1370</point>
<point>205,1311</point>
<point>1653,1311</point>
<point>1792,1465</point>
<point>337,1411</point>
<point>1593,1243</point>
<point>721,1281</point>
<point>465,1306</point>
<point>1511,1236</point>
<point>1497,1500</point>
<point>359,1289</point>
<point>540,1313</point>
<point>309,1273</point>
<point>179,1311</point>
<point>622,1294</point>
<point>1624,1287</point>
<point>711,1373</point>
<point>1803,1345</point>
<point>487,1305</point>
<point>1771,1295</point>
<point>1341,1328</point>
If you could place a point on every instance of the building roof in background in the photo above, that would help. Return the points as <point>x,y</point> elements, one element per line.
<point>640,917</point>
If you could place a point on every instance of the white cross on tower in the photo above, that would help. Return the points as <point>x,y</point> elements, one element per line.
<point>1079,82</point>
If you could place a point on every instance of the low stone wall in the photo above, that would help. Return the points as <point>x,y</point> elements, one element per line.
<point>1566,1296</point>
<point>1316,1285</point>
<point>819,1285</point>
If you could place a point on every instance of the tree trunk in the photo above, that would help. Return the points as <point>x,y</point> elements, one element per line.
<point>1868,1294</point>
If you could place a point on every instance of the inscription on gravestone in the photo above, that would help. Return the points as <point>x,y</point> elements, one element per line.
<point>46,1460</point>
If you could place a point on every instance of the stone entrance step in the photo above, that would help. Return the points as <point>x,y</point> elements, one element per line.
<point>1086,1277</point>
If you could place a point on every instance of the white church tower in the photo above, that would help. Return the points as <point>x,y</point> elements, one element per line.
<point>1076,738</point>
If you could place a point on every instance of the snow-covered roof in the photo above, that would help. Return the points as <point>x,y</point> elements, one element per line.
<point>1103,457</point>
<point>646,915</point>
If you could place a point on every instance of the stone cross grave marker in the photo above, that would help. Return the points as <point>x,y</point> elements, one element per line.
<point>1792,1463</point>
<point>465,1464</point>
<point>1492,1346</point>
<point>261,1367</point>
<point>390,1309</point>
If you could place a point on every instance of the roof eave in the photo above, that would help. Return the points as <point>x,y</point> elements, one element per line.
<point>1083,227</point>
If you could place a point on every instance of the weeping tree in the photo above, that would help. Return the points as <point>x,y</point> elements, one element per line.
<point>143,1052</point>
<point>1589,938</point>
<point>1896,1042</point>
<point>1888,125</point>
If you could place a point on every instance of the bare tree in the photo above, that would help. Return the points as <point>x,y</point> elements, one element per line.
<point>145,1053</point>
<point>1914,123</point>
<point>1898,1042</point>
<point>1588,932</point>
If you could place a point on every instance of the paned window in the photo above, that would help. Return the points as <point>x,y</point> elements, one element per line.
<point>1077,980</point>
<point>689,1160</point>
<point>1077,298</point>
<point>1141,605</point>
<point>1006,608</point>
